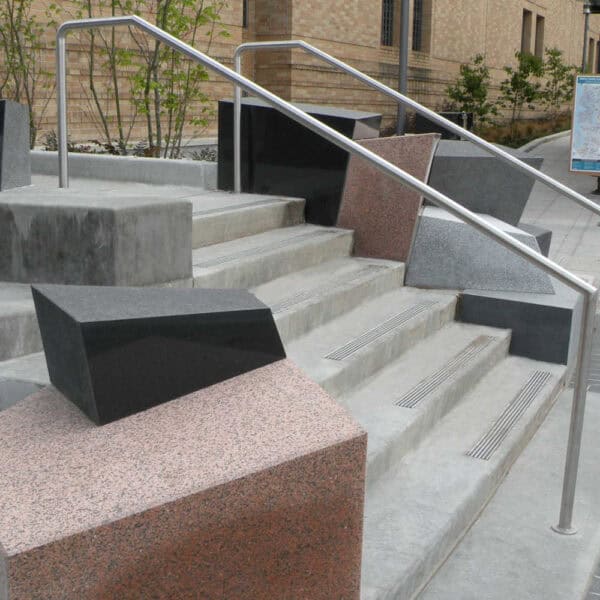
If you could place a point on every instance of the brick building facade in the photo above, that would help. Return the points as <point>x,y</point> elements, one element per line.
<point>365,33</point>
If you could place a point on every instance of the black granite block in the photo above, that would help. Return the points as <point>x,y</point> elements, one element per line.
<point>544,326</point>
<point>280,156</point>
<point>481,182</point>
<point>15,162</point>
<point>117,351</point>
<point>543,236</point>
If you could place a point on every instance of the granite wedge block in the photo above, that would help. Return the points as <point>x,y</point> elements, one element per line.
<point>544,326</point>
<point>280,156</point>
<point>481,182</point>
<point>542,235</point>
<point>15,161</point>
<point>382,212</point>
<point>117,351</point>
<point>252,488</point>
<point>449,254</point>
<point>93,237</point>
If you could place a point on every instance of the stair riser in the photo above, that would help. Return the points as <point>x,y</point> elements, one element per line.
<point>416,579</point>
<point>250,272</point>
<point>19,335</point>
<point>231,225</point>
<point>377,355</point>
<point>305,317</point>
<point>433,408</point>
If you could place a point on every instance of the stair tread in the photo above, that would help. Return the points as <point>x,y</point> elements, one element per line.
<point>360,325</point>
<point>261,243</point>
<point>210,203</point>
<point>374,403</point>
<point>286,292</point>
<point>510,551</point>
<point>417,512</point>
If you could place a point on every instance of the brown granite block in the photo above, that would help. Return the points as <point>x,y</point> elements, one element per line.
<point>252,488</point>
<point>384,213</point>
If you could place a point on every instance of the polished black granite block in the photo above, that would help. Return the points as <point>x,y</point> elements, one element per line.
<point>280,156</point>
<point>15,162</point>
<point>117,351</point>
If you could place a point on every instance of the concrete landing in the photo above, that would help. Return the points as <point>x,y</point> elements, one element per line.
<point>511,552</point>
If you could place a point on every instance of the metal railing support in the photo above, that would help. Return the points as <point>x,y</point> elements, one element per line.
<point>406,101</point>
<point>507,241</point>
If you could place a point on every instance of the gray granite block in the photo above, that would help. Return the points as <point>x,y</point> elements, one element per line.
<point>481,182</point>
<point>450,254</point>
<point>543,236</point>
<point>15,163</point>
<point>96,239</point>
<point>544,326</point>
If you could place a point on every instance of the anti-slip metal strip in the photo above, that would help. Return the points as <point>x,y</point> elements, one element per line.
<point>431,383</point>
<point>258,250</point>
<point>497,433</point>
<point>373,334</point>
<point>231,207</point>
<point>319,291</point>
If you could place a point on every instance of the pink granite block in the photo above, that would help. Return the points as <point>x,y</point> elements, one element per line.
<point>251,488</point>
<point>384,213</point>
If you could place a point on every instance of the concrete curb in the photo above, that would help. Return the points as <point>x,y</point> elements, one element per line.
<point>156,171</point>
<point>529,146</point>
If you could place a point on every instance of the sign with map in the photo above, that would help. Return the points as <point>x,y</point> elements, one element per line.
<point>585,130</point>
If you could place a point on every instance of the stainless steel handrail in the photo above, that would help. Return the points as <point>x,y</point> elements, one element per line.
<point>590,293</point>
<point>401,98</point>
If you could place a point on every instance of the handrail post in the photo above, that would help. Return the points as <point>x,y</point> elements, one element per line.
<point>61,106</point>
<point>565,522</point>
<point>237,128</point>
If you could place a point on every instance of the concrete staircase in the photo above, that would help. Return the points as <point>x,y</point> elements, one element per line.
<point>447,409</point>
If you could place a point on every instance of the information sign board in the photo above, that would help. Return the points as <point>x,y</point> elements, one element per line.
<point>585,129</point>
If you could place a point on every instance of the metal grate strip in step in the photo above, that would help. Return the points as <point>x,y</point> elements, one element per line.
<point>320,290</point>
<point>258,250</point>
<point>371,335</point>
<point>491,441</point>
<point>232,207</point>
<point>429,384</point>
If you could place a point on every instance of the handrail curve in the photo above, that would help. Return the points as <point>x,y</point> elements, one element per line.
<point>589,292</point>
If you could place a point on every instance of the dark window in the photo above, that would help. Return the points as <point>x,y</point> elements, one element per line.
<point>539,36</point>
<point>417,38</point>
<point>591,55</point>
<point>526,31</point>
<point>244,13</point>
<point>387,23</point>
<point>598,56</point>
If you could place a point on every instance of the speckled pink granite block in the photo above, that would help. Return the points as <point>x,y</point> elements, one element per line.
<point>252,488</point>
<point>384,213</point>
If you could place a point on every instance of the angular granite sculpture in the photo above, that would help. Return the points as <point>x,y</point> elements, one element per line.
<point>15,163</point>
<point>117,351</point>
<point>280,156</point>
<point>251,488</point>
<point>382,212</point>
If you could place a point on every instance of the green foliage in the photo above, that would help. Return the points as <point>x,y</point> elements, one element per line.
<point>22,76</point>
<point>522,85</point>
<point>560,83</point>
<point>470,91</point>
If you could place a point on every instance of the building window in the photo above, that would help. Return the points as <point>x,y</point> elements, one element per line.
<point>387,23</point>
<point>526,31</point>
<point>421,37</point>
<point>244,13</point>
<point>539,36</point>
<point>598,56</point>
<point>591,55</point>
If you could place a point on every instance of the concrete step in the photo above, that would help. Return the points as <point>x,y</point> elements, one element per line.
<point>402,403</point>
<point>306,299</point>
<point>19,332</point>
<point>344,352</point>
<point>419,510</point>
<point>222,216</point>
<point>511,550</point>
<point>256,259</point>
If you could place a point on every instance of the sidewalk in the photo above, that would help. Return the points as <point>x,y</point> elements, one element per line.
<point>576,231</point>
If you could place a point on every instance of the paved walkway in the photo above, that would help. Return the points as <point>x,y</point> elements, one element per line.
<point>576,231</point>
